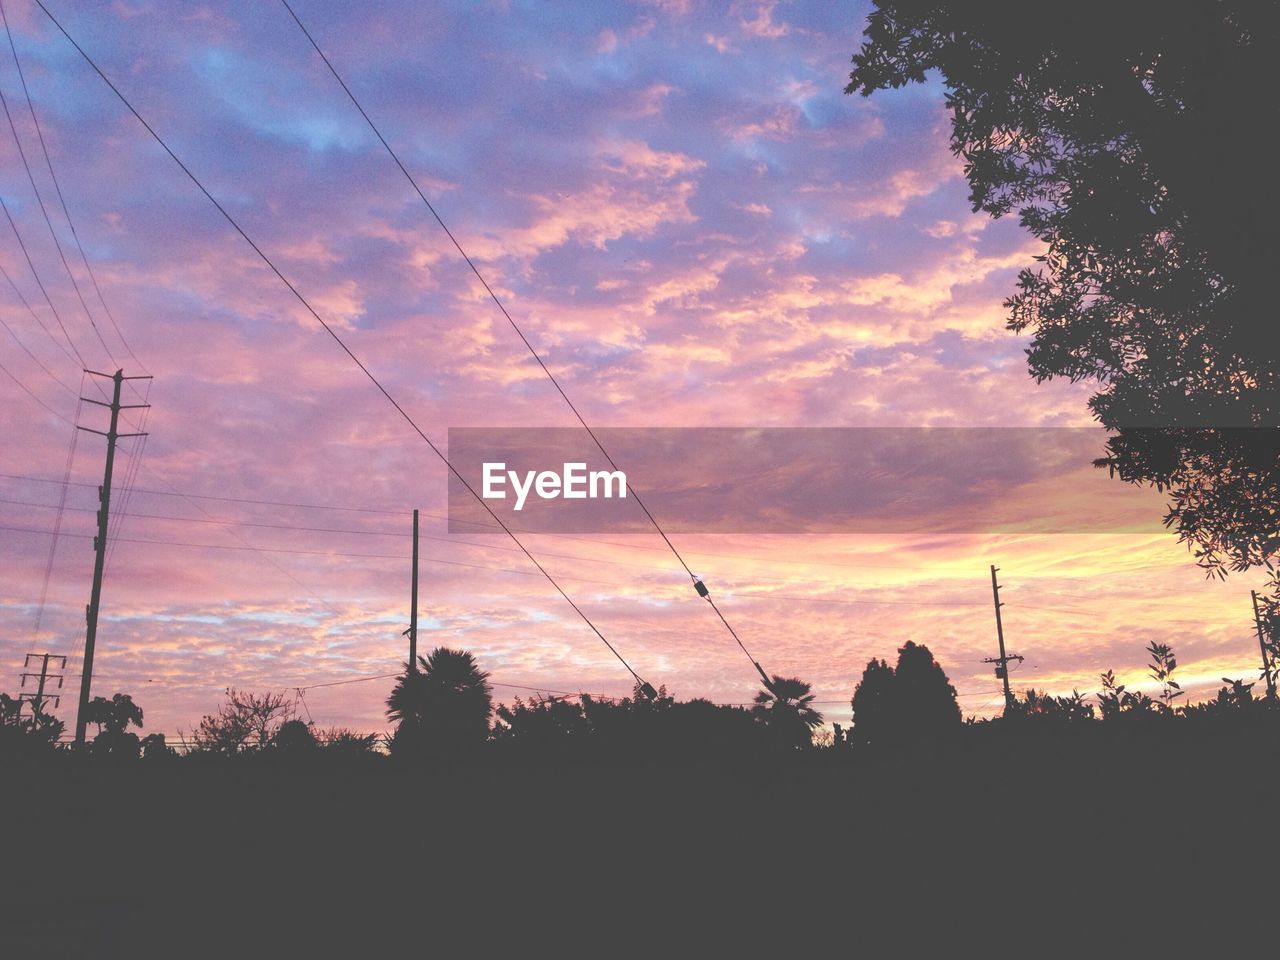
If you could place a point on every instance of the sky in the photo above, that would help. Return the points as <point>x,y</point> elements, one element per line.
<point>693,225</point>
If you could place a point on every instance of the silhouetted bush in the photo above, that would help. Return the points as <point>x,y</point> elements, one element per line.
<point>294,737</point>
<point>246,722</point>
<point>26,734</point>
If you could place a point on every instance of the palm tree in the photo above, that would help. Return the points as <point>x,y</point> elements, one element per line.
<point>784,707</point>
<point>443,707</point>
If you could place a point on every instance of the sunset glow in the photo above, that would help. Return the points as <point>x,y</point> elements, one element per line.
<point>693,225</point>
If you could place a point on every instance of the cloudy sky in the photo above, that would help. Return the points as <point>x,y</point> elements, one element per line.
<point>690,221</point>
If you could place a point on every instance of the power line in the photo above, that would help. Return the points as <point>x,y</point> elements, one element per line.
<point>699,586</point>
<point>135,455</point>
<point>57,523</point>
<point>308,553</point>
<point>40,283</point>
<point>28,391</point>
<point>4,102</point>
<point>40,323</point>
<point>338,340</point>
<point>451,563</point>
<point>487,546</point>
<point>440,539</point>
<point>191,498</point>
<point>27,350</point>
<point>66,212</point>
<point>477,523</point>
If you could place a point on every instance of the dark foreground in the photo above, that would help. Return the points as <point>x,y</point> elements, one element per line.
<point>1005,847</point>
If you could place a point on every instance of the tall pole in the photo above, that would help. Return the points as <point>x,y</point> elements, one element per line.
<point>413,601</point>
<point>44,675</point>
<point>100,542</point>
<point>1262,646</point>
<point>1004,660</point>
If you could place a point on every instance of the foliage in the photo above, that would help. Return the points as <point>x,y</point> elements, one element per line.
<point>113,718</point>
<point>1132,139</point>
<point>875,705</point>
<point>154,747</point>
<point>245,722</point>
<point>1042,706</point>
<point>26,734</point>
<point>631,727</point>
<point>910,702</point>
<point>442,708</point>
<point>341,741</point>
<point>1163,664</point>
<point>784,709</point>
<point>1115,701</point>
<point>541,723</point>
<point>294,737</point>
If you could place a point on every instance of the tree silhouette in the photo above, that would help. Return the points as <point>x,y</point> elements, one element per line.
<point>113,718</point>
<point>246,721</point>
<point>114,715</point>
<point>443,708</point>
<point>874,704</point>
<point>543,723</point>
<point>925,696</point>
<point>23,734</point>
<point>294,737</point>
<point>912,701</point>
<point>784,709</point>
<point>1135,144</point>
<point>154,747</point>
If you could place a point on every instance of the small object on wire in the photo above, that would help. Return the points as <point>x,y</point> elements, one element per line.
<point>647,689</point>
<point>701,588</point>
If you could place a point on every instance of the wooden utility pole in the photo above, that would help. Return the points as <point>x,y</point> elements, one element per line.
<point>1268,670</point>
<point>42,678</point>
<point>413,601</point>
<point>100,541</point>
<point>1002,661</point>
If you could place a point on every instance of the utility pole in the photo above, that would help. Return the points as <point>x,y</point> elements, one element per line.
<point>1268,665</point>
<point>413,602</point>
<point>100,541</point>
<point>42,678</point>
<point>1002,661</point>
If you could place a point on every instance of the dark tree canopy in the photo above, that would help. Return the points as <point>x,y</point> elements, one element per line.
<point>24,732</point>
<point>245,722</point>
<point>911,702</point>
<point>443,707</point>
<point>786,712</point>
<point>113,718</point>
<point>1134,139</point>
